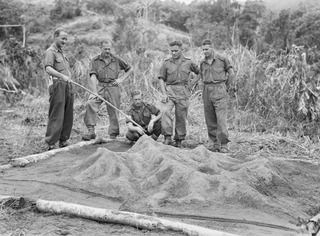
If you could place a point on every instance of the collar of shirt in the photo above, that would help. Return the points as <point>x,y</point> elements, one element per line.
<point>211,60</point>
<point>55,48</point>
<point>107,61</point>
<point>138,108</point>
<point>178,61</point>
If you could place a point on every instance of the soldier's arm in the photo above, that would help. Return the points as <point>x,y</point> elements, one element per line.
<point>126,68</point>
<point>162,77</point>
<point>230,76</point>
<point>93,79</point>
<point>49,62</point>
<point>156,114</point>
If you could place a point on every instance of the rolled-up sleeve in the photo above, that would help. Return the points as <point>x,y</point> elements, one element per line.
<point>163,72</point>
<point>154,110</point>
<point>49,59</point>
<point>123,65</point>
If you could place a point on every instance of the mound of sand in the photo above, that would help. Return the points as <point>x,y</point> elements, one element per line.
<point>153,175</point>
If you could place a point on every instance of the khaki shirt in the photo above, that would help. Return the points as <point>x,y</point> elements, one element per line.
<point>216,71</point>
<point>107,70</point>
<point>55,58</point>
<point>176,72</point>
<point>142,115</point>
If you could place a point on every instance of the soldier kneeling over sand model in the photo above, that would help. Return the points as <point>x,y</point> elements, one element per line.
<point>144,114</point>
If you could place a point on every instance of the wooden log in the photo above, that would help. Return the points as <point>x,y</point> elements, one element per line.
<point>313,226</point>
<point>5,167</point>
<point>23,161</point>
<point>125,218</point>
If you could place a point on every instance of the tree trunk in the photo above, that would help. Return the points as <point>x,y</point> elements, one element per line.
<point>125,218</point>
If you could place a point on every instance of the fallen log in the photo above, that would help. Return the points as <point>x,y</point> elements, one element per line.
<point>5,167</point>
<point>125,218</point>
<point>23,161</point>
<point>313,226</point>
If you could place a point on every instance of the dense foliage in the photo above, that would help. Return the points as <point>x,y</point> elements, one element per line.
<point>276,78</point>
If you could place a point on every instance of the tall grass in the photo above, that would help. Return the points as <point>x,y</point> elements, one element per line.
<point>276,90</point>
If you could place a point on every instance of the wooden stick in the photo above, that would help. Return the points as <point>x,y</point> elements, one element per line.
<point>23,161</point>
<point>125,218</point>
<point>313,226</point>
<point>108,103</point>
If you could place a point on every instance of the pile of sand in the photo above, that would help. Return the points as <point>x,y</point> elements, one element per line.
<point>154,175</point>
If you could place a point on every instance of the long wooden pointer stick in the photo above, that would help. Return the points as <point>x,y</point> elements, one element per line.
<point>110,104</point>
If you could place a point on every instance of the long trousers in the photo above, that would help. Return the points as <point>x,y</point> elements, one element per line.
<point>112,95</point>
<point>60,112</point>
<point>215,100</point>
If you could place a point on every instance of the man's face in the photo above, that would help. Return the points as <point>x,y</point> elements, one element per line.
<point>106,49</point>
<point>175,51</point>
<point>61,40</point>
<point>137,100</point>
<point>207,50</point>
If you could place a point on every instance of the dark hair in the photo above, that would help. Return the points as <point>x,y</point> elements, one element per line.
<point>136,92</point>
<point>207,42</point>
<point>57,33</point>
<point>175,43</point>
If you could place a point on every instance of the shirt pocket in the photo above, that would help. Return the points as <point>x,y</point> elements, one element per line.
<point>59,63</point>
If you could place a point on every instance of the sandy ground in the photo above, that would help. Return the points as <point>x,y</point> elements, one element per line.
<point>262,180</point>
<point>49,180</point>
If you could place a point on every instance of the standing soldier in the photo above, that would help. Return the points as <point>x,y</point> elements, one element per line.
<point>174,75</point>
<point>104,73</point>
<point>217,76</point>
<point>60,91</point>
<point>146,115</point>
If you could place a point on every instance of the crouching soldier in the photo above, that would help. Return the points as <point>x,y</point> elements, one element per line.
<point>144,114</point>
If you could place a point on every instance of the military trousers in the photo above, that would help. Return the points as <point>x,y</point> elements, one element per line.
<point>134,136</point>
<point>215,101</point>
<point>60,112</point>
<point>110,94</point>
<point>179,102</point>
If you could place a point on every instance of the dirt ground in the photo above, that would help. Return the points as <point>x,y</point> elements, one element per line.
<point>267,185</point>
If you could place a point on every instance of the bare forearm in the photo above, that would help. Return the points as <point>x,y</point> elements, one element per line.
<point>54,73</point>
<point>125,76</point>
<point>162,86</point>
<point>131,127</point>
<point>155,119</point>
<point>92,83</point>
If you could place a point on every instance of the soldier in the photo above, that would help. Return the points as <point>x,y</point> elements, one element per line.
<point>60,90</point>
<point>146,115</point>
<point>104,73</point>
<point>174,75</point>
<point>218,78</point>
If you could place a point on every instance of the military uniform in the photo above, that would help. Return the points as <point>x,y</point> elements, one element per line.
<point>107,71</point>
<point>142,115</point>
<point>215,97</point>
<point>175,74</point>
<point>61,98</point>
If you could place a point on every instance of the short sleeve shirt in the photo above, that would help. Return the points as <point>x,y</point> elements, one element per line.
<point>143,114</point>
<point>55,58</point>
<point>216,71</point>
<point>175,72</point>
<point>107,70</point>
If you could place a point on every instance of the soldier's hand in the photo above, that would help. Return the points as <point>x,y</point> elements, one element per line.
<point>164,99</point>
<point>115,83</point>
<point>66,78</point>
<point>139,130</point>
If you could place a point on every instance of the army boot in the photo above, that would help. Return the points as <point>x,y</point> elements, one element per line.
<point>167,140</point>
<point>178,143</point>
<point>224,148</point>
<point>90,135</point>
